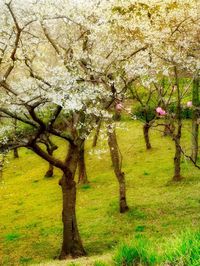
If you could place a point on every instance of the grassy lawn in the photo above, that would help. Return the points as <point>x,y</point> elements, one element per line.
<point>30,205</point>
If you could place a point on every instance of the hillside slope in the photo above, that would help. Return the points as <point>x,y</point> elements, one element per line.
<point>30,205</point>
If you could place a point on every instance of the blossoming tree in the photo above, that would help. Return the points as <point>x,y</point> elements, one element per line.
<point>38,85</point>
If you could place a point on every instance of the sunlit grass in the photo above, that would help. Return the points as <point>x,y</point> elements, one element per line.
<point>30,223</point>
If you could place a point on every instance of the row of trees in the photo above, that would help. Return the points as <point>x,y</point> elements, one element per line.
<point>65,66</point>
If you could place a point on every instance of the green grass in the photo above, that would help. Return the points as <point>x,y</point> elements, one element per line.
<point>30,205</point>
<point>180,250</point>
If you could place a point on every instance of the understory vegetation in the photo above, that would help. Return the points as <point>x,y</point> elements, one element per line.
<point>161,227</point>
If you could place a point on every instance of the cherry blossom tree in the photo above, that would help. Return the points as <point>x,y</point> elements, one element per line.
<point>75,60</point>
<point>168,32</point>
<point>40,83</point>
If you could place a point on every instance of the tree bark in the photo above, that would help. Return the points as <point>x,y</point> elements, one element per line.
<point>15,153</point>
<point>177,135</point>
<point>72,244</point>
<point>146,128</point>
<point>115,157</point>
<point>50,149</point>
<point>177,160</point>
<point>82,173</point>
<point>117,116</point>
<point>49,172</point>
<point>2,159</point>
<point>195,117</point>
<point>96,136</point>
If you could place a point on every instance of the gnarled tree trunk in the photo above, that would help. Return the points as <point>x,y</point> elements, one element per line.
<point>115,156</point>
<point>146,128</point>
<point>82,173</point>
<point>50,149</point>
<point>72,244</point>
<point>49,172</point>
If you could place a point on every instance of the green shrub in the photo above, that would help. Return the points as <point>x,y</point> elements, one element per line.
<point>148,113</point>
<point>186,112</point>
<point>145,113</point>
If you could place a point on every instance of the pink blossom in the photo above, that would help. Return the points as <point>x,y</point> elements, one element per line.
<point>189,104</point>
<point>119,106</point>
<point>160,111</point>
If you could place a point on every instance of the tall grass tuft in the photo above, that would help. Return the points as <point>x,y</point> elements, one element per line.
<point>139,251</point>
<point>182,250</point>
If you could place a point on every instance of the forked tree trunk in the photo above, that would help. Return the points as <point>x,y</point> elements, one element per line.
<point>72,245</point>
<point>115,156</point>
<point>49,172</point>
<point>50,150</point>
<point>146,128</point>
<point>96,136</point>
<point>82,173</point>
<point>168,128</point>
<point>195,117</point>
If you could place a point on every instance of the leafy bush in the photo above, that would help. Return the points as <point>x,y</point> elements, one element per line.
<point>146,113</point>
<point>186,112</point>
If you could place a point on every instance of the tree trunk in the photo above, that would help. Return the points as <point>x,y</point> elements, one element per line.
<point>146,128</point>
<point>177,161</point>
<point>2,159</point>
<point>195,117</point>
<point>96,136</point>
<point>49,172</point>
<point>72,245</point>
<point>169,128</point>
<point>177,135</point>
<point>82,173</point>
<point>15,153</point>
<point>117,116</point>
<point>195,142</point>
<point>50,149</point>
<point>115,156</point>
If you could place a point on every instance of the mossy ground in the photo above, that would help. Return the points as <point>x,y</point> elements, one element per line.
<point>30,205</point>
